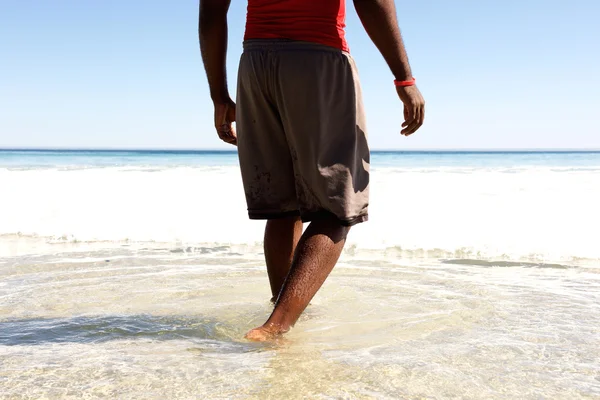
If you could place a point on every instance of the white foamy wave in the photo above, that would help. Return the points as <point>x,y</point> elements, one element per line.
<point>539,212</point>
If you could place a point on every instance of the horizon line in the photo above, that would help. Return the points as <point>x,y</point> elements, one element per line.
<point>376,150</point>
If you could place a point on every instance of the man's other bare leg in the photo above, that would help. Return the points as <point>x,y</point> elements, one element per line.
<point>317,253</point>
<point>281,238</point>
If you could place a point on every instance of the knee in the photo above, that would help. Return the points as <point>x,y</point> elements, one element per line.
<point>283,223</point>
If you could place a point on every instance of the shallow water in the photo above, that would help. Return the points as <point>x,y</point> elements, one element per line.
<point>153,321</point>
<point>135,275</point>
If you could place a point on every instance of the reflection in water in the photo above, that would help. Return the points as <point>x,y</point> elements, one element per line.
<point>99,329</point>
<point>485,263</point>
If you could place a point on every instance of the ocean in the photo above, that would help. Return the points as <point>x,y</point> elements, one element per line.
<point>135,274</point>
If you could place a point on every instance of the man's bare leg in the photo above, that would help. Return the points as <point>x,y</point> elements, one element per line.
<point>316,255</point>
<point>281,238</point>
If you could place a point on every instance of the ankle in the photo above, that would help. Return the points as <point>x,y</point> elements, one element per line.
<point>275,328</point>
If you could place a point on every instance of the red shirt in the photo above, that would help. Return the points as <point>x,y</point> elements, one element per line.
<point>317,21</point>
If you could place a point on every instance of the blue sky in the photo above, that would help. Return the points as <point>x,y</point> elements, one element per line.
<point>128,74</point>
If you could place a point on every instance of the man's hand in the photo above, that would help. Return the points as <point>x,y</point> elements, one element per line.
<point>224,118</point>
<point>414,108</point>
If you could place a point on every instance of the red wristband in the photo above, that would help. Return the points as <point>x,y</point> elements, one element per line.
<point>410,82</point>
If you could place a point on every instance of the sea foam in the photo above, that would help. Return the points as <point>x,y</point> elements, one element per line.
<point>535,212</point>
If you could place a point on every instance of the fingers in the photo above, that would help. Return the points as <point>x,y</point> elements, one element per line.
<point>233,134</point>
<point>410,120</point>
<point>406,117</point>
<point>231,119</point>
<point>416,116</point>
<point>414,109</point>
<point>227,133</point>
<point>224,118</point>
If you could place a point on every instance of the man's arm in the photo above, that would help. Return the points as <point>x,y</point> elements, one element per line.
<point>379,20</point>
<point>212,30</point>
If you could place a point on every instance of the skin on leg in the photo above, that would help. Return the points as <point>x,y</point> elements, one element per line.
<point>281,237</point>
<point>316,254</point>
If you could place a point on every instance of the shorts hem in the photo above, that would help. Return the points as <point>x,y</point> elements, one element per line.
<point>307,216</point>
<point>320,215</point>
<point>273,214</point>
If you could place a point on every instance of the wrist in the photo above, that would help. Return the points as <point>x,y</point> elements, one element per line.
<point>221,99</point>
<point>220,96</point>
<point>405,82</point>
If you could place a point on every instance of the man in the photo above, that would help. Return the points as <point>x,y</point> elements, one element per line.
<point>301,133</point>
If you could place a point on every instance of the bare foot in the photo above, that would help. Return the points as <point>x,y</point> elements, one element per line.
<point>263,334</point>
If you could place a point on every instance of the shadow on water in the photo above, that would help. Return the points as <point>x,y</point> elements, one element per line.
<point>482,263</point>
<point>100,329</point>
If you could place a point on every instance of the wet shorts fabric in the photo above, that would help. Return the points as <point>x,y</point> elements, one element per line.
<point>302,140</point>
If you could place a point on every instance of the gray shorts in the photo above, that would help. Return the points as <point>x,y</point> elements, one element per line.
<point>302,141</point>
